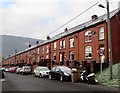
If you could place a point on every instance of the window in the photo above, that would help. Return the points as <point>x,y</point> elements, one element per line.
<point>60,57</point>
<point>47,49</point>
<point>88,36</point>
<point>101,33</point>
<point>47,57</point>
<point>88,52</point>
<point>54,56</point>
<point>71,55</point>
<point>54,46</point>
<point>38,50</point>
<point>62,44</point>
<point>71,42</point>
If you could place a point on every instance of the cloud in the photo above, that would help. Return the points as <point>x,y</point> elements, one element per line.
<point>37,18</point>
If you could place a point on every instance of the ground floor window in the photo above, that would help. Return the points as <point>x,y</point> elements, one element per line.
<point>71,55</point>
<point>88,52</point>
<point>54,56</point>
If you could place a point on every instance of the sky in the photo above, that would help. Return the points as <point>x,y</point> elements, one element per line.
<point>38,18</point>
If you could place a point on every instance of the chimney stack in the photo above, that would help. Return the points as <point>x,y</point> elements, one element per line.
<point>29,45</point>
<point>48,37</point>
<point>37,42</point>
<point>94,17</point>
<point>65,29</point>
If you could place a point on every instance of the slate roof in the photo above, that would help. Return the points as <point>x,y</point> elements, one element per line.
<point>81,27</point>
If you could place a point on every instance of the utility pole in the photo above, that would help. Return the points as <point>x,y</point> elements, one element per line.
<point>109,37</point>
<point>109,40</point>
<point>15,56</point>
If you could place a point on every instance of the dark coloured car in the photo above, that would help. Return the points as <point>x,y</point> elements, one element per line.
<point>2,73</point>
<point>60,72</point>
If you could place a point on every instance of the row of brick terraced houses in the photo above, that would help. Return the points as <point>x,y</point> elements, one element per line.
<point>75,47</point>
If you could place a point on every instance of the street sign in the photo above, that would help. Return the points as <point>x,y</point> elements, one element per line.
<point>101,52</point>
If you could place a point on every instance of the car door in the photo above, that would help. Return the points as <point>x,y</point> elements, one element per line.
<point>36,71</point>
<point>57,73</point>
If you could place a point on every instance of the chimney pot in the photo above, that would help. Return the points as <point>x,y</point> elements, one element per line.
<point>65,29</point>
<point>37,42</point>
<point>48,37</point>
<point>29,45</point>
<point>94,17</point>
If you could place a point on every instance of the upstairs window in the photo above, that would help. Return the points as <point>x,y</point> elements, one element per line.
<point>54,46</point>
<point>88,36</point>
<point>47,49</point>
<point>88,52</point>
<point>101,33</point>
<point>62,44</point>
<point>71,42</point>
<point>38,50</point>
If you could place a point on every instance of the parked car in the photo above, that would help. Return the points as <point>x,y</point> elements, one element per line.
<point>18,70</point>
<point>25,70</point>
<point>13,69</point>
<point>41,71</point>
<point>60,72</point>
<point>3,69</point>
<point>9,70</point>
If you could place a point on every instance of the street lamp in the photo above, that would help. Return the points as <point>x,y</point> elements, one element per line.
<point>109,36</point>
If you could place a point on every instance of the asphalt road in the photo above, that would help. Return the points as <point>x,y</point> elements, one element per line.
<point>16,82</point>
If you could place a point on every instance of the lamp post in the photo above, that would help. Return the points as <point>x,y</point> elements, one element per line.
<point>109,37</point>
<point>15,56</point>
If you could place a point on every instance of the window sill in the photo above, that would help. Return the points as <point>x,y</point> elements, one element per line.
<point>89,58</point>
<point>71,47</point>
<point>101,39</point>
<point>88,41</point>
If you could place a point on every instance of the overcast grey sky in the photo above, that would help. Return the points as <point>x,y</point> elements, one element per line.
<point>37,18</point>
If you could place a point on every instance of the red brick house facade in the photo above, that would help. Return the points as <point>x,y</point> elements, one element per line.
<point>79,44</point>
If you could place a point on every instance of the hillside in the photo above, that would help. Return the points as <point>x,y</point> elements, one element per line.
<point>10,43</point>
<point>104,78</point>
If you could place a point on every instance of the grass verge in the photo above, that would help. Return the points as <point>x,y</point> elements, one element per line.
<point>104,78</point>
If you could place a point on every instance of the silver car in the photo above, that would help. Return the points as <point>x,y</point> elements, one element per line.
<point>41,72</point>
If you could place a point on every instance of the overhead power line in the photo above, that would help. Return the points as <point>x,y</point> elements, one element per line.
<point>73,18</point>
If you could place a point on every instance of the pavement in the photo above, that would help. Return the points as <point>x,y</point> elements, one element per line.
<point>25,83</point>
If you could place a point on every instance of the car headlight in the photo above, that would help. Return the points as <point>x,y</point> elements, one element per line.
<point>66,74</point>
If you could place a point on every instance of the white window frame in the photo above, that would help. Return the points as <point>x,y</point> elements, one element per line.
<point>47,49</point>
<point>63,44</point>
<point>47,56</point>
<point>88,36</point>
<point>60,57</point>
<point>71,42</point>
<point>54,54</point>
<point>88,52</point>
<point>71,53</point>
<point>101,33</point>
<point>54,46</point>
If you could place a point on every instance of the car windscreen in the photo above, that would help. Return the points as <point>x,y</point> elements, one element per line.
<point>65,69</point>
<point>44,69</point>
<point>26,68</point>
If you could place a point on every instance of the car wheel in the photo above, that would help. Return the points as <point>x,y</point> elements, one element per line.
<point>50,77</point>
<point>61,78</point>
<point>34,75</point>
<point>40,75</point>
